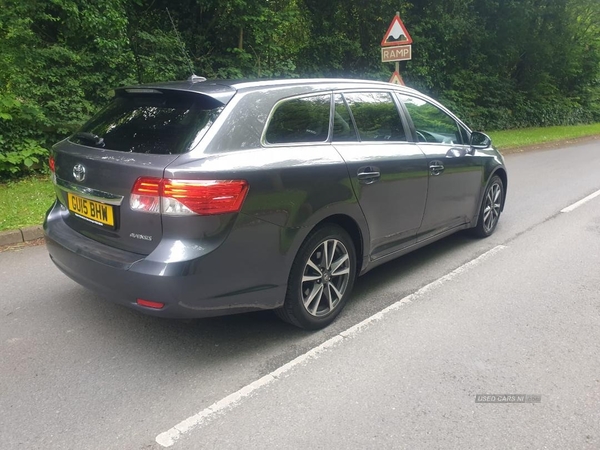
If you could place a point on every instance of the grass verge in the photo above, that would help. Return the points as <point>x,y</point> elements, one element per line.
<point>24,202</point>
<point>526,137</point>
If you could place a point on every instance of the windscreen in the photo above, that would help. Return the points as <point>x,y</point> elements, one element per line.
<point>156,123</point>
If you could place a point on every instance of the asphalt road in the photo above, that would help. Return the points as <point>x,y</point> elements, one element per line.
<point>77,372</point>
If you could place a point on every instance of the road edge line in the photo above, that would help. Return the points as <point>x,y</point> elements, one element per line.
<point>580,202</point>
<point>169,437</point>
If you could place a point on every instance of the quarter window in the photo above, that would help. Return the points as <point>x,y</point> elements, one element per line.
<point>300,120</point>
<point>376,116</point>
<point>431,123</point>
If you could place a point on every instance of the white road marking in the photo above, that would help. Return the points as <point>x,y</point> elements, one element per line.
<point>580,202</point>
<point>169,437</point>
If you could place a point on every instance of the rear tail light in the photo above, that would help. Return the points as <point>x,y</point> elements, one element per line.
<point>145,195</point>
<point>150,304</point>
<point>203,197</point>
<point>52,166</point>
<point>187,197</point>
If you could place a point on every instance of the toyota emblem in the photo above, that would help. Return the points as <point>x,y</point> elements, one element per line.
<point>79,172</point>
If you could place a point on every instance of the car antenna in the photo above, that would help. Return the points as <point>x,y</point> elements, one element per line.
<point>193,77</point>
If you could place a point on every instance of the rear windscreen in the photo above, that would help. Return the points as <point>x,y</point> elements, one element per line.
<point>157,123</point>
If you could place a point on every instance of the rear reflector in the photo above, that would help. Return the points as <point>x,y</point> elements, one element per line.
<point>187,197</point>
<point>150,304</point>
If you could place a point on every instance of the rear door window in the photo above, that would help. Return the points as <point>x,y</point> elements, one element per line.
<point>300,120</point>
<point>157,123</point>
<point>376,116</point>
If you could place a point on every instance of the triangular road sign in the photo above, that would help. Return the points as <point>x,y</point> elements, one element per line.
<point>397,79</point>
<point>396,34</point>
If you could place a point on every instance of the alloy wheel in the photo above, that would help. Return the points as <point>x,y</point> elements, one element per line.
<point>493,206</point>
<point>325,277</point>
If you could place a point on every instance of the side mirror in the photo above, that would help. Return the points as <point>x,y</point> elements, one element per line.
<point>480,141</point>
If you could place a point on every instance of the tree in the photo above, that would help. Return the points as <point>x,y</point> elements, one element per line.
<point>498,63</point>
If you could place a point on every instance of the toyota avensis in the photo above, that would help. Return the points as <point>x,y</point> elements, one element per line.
<point>203,198</point>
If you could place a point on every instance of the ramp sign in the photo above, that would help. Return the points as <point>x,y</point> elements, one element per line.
<point>396,34</point>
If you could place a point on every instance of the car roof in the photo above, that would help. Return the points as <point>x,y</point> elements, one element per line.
<point>325,83</point>
<point>223,90</point>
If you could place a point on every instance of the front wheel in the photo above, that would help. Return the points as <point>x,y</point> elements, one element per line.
<point>321,279</point>
<point>491,207</point>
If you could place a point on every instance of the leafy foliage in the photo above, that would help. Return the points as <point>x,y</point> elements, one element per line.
<point>499,64</point>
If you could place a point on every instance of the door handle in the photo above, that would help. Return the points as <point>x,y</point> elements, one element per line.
<point>436,167</point>
<point>368,175</point>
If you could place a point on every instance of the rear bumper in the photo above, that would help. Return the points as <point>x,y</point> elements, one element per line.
<point>224,280</point>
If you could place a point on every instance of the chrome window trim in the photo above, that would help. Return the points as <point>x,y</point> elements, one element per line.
<point>363,143</point>
<point>443,143</point>
<point>89,193</point>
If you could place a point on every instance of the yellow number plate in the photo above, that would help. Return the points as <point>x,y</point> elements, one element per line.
<point>94,211</point>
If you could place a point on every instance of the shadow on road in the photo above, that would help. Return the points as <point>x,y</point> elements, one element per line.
<point>208,342</point>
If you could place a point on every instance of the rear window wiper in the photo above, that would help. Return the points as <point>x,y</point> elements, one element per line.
<point>94,139</point>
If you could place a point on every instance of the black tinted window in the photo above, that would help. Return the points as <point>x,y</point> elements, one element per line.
<point>431,123</point>
<point>376,116</point>
<point>300,120</point>
<point>343,128</point>
<point>152,123</point>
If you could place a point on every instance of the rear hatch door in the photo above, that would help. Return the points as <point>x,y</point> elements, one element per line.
<point>138,134</point>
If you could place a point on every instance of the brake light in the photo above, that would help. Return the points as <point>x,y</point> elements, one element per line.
<point>203,197</point>
<point>188,197</point>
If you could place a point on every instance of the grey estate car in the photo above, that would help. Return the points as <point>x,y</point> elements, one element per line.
<point>202,198</point>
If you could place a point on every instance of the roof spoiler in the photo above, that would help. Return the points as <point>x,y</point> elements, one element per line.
<point>219,93</point>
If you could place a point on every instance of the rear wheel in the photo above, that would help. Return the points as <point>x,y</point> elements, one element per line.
<point>321,279</point>
<point>491,207</point>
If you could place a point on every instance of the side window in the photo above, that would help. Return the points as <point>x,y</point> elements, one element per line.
<point>376,116</point>
<point>300,120</point>
<point>431,123</point>
<point>343,128</point>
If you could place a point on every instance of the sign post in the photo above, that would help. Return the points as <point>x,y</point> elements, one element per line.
<point>396,46</point>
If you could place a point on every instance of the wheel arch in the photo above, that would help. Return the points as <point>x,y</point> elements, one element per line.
<point>351,225</point>
<point>501,172</point>
<point>293,310</point>
<point>353,229</point>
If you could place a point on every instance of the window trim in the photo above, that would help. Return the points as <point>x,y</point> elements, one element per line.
<point>263,137</point>
<point>405,117</point>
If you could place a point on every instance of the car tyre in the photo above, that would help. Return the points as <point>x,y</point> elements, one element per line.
<point>321,279</point>
<point>491,208</point>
